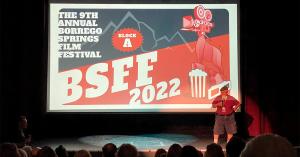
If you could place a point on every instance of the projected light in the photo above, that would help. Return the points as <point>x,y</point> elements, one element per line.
<point>141,57</point>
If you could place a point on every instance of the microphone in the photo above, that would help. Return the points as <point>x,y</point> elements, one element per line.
<point>223,105</point>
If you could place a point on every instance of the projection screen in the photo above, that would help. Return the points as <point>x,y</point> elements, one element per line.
<point>141,57</point>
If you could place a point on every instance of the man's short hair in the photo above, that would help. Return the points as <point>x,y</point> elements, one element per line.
<point>224,88</point>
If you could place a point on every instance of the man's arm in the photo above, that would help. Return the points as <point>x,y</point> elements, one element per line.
<point>216,103</point>
<point>237,104</point>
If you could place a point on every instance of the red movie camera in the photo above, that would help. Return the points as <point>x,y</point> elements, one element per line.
<point>201,23</point>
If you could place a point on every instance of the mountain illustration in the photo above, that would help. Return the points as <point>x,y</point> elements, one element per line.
<point>151,41</point>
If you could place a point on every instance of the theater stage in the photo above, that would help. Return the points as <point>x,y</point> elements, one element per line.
<point>144,142</point>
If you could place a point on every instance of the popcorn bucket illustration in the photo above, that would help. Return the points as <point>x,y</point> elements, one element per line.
<point>198,83</point>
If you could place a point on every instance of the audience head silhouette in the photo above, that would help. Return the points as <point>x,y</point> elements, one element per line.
<point>214,150</point>
<point>109,150</point>
<point>61,151</point>
<point>268,145</point>
<point>46,151</point>
<point>235,146</point>
<point>9,150</point>
<point>190,151</point>
<point>160,153</point>
<point>22,153</point>
<point>174,150</point>
<point>28,150</point>
<point>83,153</point>
<point>127,150</point>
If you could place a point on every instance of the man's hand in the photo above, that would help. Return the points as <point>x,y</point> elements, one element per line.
<point>218,104</point>
<point>235,108</point>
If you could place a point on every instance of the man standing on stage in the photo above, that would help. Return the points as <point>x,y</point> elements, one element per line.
<point>226,106</point>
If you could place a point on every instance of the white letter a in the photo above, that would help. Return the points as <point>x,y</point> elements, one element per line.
<point>127,43</point>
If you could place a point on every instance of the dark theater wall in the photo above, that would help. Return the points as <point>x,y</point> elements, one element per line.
<point>269,66</point>
<point>271,63</point>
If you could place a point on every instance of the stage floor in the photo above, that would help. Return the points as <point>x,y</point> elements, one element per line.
<point>143,142</point>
